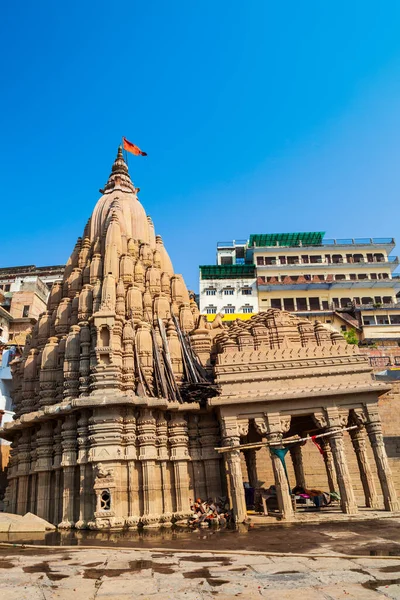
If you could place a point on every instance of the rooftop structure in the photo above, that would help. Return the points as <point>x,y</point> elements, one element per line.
<point>124,392</point>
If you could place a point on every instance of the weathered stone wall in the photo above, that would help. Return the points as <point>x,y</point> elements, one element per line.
<point>389,407</point>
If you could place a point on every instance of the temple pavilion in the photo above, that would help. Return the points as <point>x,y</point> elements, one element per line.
<point>125,394</point>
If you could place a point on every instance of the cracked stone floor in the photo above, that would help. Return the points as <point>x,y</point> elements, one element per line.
<point>122,573</point>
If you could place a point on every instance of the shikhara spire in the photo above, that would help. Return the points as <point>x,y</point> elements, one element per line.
<point>120,297</point>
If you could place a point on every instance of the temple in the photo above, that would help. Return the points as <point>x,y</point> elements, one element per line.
<point>125,393</point>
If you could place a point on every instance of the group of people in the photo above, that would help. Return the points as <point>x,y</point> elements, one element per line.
<point>210,512</point>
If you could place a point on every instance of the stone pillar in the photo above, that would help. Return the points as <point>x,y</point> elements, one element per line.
<point>329,464</point>
<point>360,448</point>
<point>132,466</point>
<point>57,506</point>
<point>199,476</point>
<point>297,460</point>
<point>209,439</point>
<point>273,426</point>
<point>146,425</point>
<point>68,462</point>
<point>44,439</point>
<point>33,475</point>
<point>20,502</point>
<point>371,418</point>
<point>333,421</point>
<point>179,442</point>
<point>85,473</point>
<point>231,437</point>
<point>163,457</point>
<point>251,464</point>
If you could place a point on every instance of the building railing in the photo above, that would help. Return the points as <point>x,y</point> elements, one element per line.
<point>232,244</point>
<point>378,305</point>
<point>357,241</point>
<point>325,242</point>
<point>338,261</point>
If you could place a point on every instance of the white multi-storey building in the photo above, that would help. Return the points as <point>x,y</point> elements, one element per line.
<point>345,283</point>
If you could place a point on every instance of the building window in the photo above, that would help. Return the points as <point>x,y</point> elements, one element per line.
<point>25,312</point>
<point>345,302</point>
<point>353,276</point>
<point>247,291</point>
<point>7,287</point>
<point>288,304</point>
<point>387,299</point>
<point>276,303</point>
<point>211,310</point>
<point>301,303</point>
<point>105,500</point>
<point>314,303</point>
<point>247,309</point>
<point>226,260</point>
<point>260,260</point>
<point>228,292</point>
<point>229,310</point>
<point>340,277</point>
<point>373,276</point>
<point>210,292</point>
<point>343,327</point>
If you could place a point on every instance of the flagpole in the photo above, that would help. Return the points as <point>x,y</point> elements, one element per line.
<point>126,153</point>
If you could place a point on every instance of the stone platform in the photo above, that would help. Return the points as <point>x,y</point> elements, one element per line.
<point>125,574</point>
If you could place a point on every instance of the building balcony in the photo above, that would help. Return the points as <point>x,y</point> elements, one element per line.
<point>392,263</point>
<point>379,306</point>
<point>313,282</point>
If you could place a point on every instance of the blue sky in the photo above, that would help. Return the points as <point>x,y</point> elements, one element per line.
<point>257,116</point>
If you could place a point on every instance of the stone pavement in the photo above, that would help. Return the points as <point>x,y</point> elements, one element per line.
<point>125,574</point>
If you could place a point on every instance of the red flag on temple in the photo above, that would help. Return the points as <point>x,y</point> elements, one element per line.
<point>129,147</point>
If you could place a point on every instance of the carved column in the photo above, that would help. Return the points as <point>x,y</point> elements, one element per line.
<point>85,473</point>
<point>133,470</point>
<point>199,482</point>
<point>360,448</point>
<point>33,475</point>
<point>57,508</point>
<point>334,421</point>
<point>231,437</point>
<point>146,425</point>
<point>179,442</point>
<point>44,439</point>
<point>163,457</point>
<point>370,417</point>
<point>24,460</point>
<point>273,426</point>
<point>329,464</point>
<point>209,439</point>
<point>68,462</point>
<point>297,460</point>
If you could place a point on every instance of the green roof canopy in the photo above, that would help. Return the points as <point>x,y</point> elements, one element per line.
<point>311,238</point>
<point>227,271</point>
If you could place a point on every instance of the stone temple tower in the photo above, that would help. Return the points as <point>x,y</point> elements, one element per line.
<point>125,392</point>
<point>100,437</point>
